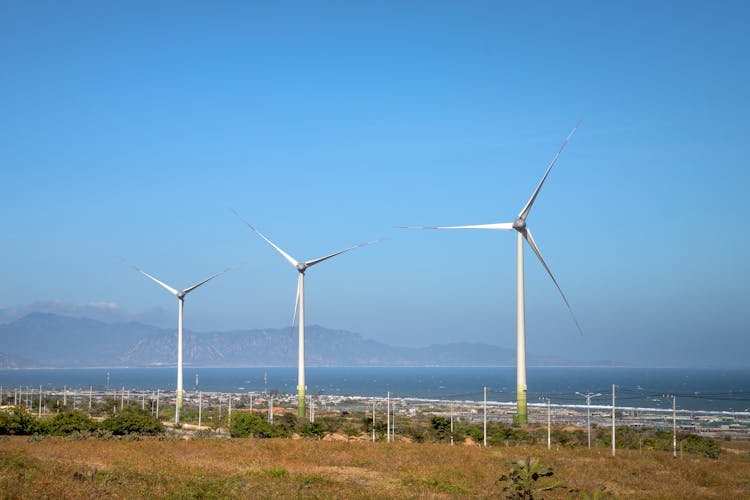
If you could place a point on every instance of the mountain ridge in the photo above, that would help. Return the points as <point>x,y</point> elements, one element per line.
<point>48,340</point>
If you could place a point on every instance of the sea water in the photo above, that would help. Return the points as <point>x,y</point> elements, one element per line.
<point>696,389</point>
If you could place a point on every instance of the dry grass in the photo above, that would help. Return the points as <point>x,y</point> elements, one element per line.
<point>283,468</point>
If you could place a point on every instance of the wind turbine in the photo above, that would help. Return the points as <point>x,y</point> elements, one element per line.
<point>300,301</point>
<point>180,294</point>
<point>522,233</point>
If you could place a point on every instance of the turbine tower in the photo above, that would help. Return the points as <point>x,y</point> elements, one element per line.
<point>522,233</point>
<point>300,301</point>
<point>180,294</point>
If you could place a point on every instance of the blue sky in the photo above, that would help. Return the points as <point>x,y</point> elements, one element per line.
<point>130,130</point>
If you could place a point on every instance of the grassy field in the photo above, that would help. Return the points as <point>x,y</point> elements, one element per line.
<point>284,468</point>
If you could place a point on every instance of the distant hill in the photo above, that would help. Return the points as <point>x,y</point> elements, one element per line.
<point>8,362</point>
<point>51,340</point>
<point>56,341</point>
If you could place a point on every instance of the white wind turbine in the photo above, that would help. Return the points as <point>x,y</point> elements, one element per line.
<point>180,294</point>
<point>300,301</point>
<point>522,233</point>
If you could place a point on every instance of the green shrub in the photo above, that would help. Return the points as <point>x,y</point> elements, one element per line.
<point>132,420</point>
<point>19,421</point>
<point>313,430</point>
<point>697,444</point>
<point>66,423</point>
<point>285,426</point>
<point>248,424</point>
<point>440,428</point>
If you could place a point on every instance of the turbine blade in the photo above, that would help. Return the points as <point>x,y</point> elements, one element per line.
<point>169,288</point>
<point>282,252</point>
<point>310,263</point>
<point>190,289</point>
<point>296,302</point>
<point>502,226</point>
<point>530,240</point>
<point>527,208</point>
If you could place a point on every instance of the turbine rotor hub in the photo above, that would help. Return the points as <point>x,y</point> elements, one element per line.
<point>519,224</point>
<point>180,295</point>
<point>302,267</point>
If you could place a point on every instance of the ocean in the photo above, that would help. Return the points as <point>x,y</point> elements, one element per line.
<point>696,389</point>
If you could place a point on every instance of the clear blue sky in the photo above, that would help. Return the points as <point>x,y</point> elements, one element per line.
<point>129,130</point>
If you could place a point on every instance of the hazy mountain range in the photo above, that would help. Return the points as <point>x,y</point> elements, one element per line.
<point>51,340</point>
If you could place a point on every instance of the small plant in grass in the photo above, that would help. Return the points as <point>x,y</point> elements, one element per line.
<point>525,478</point>
<point>599,493</point>
<point>203,434</point>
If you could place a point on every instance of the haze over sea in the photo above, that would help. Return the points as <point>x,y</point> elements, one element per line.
<point>696,389</point>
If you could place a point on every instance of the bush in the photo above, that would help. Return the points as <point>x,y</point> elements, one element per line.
<point>133,420</point>
<point>19,421</point>
<point>313,430</point>
<point>67,423</point>
<point>697,444</point>
<point>441,428</point>
<point>285,426</point>
<point>248,424</point>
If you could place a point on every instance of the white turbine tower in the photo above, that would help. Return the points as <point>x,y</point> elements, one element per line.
<point>180,294</point>
<point>300,301</point>
<point>522,233</point>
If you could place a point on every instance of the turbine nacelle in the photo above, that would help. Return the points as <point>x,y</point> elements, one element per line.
<point>519,224</point>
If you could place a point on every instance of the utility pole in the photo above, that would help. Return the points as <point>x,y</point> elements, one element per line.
<point>588,397</point>
<point>393,416</point>
<point>485,416</point>
<point>674,425</point>
<point>388,418</point>
<point>229,412</point>
<point>613,420</point>
<point>549,425</point>
<point>451,423</point>
<point>200,407</point>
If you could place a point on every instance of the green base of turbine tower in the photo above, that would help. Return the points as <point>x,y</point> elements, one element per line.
<point>178,404</point>
<point>301,401</point>
<point>522,417</point>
